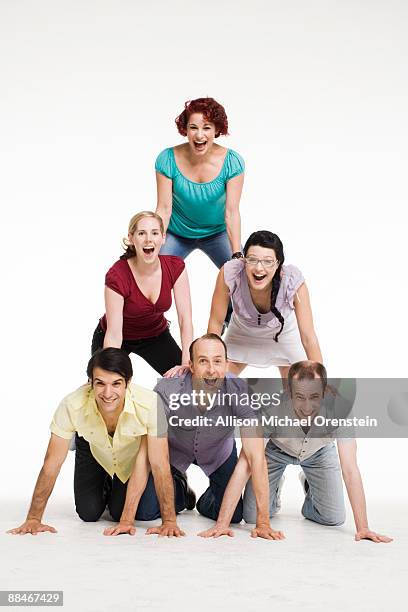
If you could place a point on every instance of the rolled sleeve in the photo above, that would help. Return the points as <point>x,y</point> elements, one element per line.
<point>61,424</point>
<point>156,422</point>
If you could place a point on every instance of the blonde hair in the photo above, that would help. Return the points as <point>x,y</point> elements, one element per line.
<point>129,248</point>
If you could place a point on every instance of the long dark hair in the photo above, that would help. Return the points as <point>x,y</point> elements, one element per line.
<point>268,240</point>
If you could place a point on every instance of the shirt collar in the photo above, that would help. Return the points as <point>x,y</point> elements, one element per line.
<point>91,406</point>
<point>129,405</point>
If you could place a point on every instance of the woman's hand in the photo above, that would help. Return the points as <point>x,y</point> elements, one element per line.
<point>176,371</point>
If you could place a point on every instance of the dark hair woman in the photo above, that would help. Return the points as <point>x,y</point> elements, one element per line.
<point>272,322</point>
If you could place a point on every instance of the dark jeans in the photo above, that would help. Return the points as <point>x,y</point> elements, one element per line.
<point>161,352</point>
<point>94,489</point>
<point>210,502</point>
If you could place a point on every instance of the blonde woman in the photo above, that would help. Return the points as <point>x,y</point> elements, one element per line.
<point>138,291</point>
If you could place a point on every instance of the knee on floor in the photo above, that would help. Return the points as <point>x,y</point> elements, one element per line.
<point>249,515</point>
<point>115,515</point>
<point>329,519</point>
<point>89,515</point>
<point>335,520</point>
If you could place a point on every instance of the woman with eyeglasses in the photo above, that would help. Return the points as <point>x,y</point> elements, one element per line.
<point>272,322</point>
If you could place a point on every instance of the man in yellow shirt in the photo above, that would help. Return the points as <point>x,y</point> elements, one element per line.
<point>116,428</point>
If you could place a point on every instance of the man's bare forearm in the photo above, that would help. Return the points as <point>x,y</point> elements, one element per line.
<point>42,491</point>
<point>137,483</point>
<point>260,486</point>
<point>135,489</point>
<point>355,492</point>
<point>163,483</point>
<point>233,491</point>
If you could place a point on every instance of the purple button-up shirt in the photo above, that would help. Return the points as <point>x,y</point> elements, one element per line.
<point>206,442</point>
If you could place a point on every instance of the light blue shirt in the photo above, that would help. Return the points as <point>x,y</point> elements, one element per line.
<point>198,208</point>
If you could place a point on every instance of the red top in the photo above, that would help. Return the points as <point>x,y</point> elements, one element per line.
<point>141,318</point>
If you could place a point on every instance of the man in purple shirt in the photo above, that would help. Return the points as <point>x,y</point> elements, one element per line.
<point>203,409</point>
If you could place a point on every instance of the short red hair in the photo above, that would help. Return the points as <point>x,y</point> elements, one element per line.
<point>210,109</point>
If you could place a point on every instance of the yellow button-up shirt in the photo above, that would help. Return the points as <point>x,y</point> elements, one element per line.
<point>78,412</point>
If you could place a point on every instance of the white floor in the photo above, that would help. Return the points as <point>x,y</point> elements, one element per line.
<point>315,568</point>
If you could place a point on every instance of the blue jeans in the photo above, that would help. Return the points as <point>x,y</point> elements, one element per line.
<point>210,502</point>
<point>324,502</point>
<point>217,247</point>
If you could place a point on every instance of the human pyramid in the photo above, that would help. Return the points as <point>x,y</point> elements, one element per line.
<point>133,445</point>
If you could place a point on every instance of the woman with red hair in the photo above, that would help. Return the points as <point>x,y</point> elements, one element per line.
<point>199,185</point>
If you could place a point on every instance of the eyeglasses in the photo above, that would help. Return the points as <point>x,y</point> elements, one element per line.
<point>267,263</point>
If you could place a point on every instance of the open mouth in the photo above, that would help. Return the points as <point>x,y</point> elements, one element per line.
<point>211,382</point>
<point>148,250</point>
<point>199,146</point>
<point>259,277</point>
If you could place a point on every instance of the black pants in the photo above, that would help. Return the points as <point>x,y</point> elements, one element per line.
<point>161,352</point>
<point>210,502</point>
<point>94,489</point>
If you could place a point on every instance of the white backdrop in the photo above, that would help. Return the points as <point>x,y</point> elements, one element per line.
<point>316,95</point>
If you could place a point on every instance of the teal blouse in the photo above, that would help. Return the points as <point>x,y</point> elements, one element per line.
<point>198,208</point>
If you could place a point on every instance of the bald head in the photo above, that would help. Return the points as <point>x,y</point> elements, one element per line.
<point>307,370</point>
<point>202,341</point>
